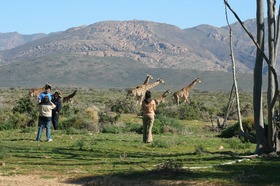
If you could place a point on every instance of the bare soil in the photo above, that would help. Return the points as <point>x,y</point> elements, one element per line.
<point>30,180</point>
<point>35,180</point>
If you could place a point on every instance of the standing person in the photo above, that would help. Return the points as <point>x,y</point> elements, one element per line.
<point>148,109</point>
<point>47,92</point>
<point>56,111</point>
<point>45,115</point>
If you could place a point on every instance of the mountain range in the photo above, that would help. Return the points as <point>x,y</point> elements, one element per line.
<point>114,54</point>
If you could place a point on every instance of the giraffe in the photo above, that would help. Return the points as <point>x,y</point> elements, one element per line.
<point>68,99</point>
<point>161,99</point>
<point>140,91</point>
<point>35,92</point>
<point>148,78</point>
<point>146,82</point>
<point>185,91</point>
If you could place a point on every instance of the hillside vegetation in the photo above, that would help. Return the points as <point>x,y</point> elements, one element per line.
<point>110,72</point>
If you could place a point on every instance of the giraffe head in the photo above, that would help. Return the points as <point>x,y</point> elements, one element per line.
<point>149,76</point>
<point>165,93</point>
<point>198,80</point>
<point>160,80</point>
<point>31,93</point>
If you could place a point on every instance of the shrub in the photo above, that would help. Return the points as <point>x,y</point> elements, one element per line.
<point>192,111</point>
<point>248,124</point>
<point>232,130</point>
<point>17,120</point>
<point>164,124</point>
<point>80,121</point>
<point>27,106</point>
<point>84,144</point>
<point>92,112</point>
<point>25,113</point>
<point>111,129</point>
<point>124,106</point>
<point>6,126</point>
<point>28,130</point>
<point>236,144</point>
<point>108,118</point>
<point>133,127</point>
<point>68,111</point>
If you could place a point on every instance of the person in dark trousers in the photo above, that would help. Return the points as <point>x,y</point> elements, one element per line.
<point>148,110</point>
<point>56,111</point>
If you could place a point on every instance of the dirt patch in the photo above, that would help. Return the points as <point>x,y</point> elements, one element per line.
<point>28,180</point>
<point>35,180</point>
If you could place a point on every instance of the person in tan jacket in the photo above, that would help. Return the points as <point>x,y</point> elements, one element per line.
<point>148,110</point>
<point>45,117</point>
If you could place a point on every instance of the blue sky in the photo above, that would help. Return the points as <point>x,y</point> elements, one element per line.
<point>46,16</point>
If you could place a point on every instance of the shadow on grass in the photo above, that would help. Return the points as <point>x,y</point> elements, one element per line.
<point>20,139</point>
<point>262,171</point>
<point>237,174</point>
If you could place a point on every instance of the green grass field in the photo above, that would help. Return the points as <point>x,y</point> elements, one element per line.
<point>193,156</point>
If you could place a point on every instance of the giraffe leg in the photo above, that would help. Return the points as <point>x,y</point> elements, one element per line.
<point>176,99</point>
<point>186,99</point>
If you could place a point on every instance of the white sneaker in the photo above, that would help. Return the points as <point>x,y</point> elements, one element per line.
<point>49,140</point>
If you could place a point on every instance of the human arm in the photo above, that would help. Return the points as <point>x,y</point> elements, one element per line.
<point>53,105</point>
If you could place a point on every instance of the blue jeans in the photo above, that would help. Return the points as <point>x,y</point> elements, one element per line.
<point>43,124</point>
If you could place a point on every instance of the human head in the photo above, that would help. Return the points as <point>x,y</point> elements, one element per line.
<point>46,99</point>
<point>48,87</point>
<point>57,94</point>
<point>148,94</point>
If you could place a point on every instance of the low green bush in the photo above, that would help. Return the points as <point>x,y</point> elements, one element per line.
<point>133,127</point>
<point>235,144</point>
<point>79,121</point>
<point>28,106</point>
<point>233,130</point>
<point>114,129</point>
<point>105,118</point>
<point>124,106</point>
<point>165,124</point>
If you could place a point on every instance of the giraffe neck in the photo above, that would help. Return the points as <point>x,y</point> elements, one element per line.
<point>148,87</point>
<point>146,81</point>
<point>190,86</point>
<point>165,94</point>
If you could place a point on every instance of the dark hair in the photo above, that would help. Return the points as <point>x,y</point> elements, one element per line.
<point>148,96</point>
<point>48,86</point>
<point>46,99</point>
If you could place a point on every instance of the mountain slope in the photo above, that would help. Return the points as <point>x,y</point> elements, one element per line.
<point>14,39</point>
<point>154,44</point>
<point>119,54</point>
